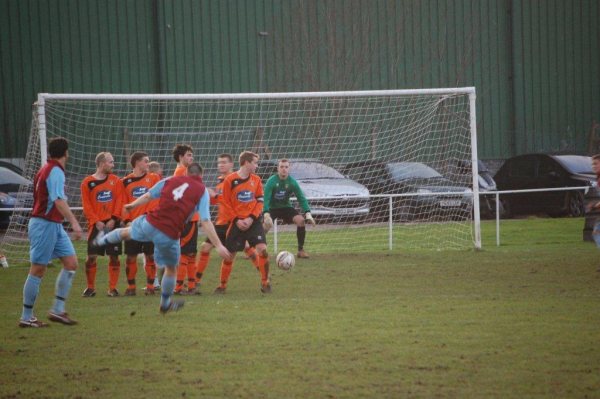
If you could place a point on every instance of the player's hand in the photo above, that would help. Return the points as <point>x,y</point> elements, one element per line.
<point>77,232</point>
<point>99,226</point>
<point>242,224</point>
<point>309,219</point>
<point>128,207</point>
<point>223,252</point>
<point>267,221</point>
<point>212,193</point>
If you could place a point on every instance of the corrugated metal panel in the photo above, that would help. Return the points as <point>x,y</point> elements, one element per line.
<point>557,74</point>
<point>535,63</point>
<point>69,46</point>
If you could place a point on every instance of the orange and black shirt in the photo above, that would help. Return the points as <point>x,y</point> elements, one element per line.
<point>133,188</point>
<point>243,197</point>
<point>102,199</point>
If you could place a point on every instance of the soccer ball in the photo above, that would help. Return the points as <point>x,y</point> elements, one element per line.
<point>285,260</point>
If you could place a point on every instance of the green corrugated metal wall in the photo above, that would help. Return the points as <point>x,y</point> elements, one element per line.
<point>535,64</point>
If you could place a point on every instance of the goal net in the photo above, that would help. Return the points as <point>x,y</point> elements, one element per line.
<point>381,169</point>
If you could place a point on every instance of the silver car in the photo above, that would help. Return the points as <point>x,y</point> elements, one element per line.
<point>330,194</point>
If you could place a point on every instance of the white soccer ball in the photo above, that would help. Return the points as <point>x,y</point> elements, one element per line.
<point>285,260</point>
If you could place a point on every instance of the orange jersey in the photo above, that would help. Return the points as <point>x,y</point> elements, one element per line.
<point>136,186</point>
<point>224,215</point>
<point>182,171</point>
<point>102,199</point>
<point>244,197</point>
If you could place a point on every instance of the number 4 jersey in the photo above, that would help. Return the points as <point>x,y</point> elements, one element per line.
<point>179,197</point>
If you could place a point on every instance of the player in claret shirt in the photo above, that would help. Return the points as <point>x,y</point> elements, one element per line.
<point>102,199</point>
<point>179,198</point>
<point>136,184</point>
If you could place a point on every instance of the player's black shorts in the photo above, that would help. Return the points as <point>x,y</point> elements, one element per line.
<point>189,238</point>
<point>108,249</point>
<point>236,238</point>
<point>221,230</point>
<point>285,215</point>
<point>133,247</point>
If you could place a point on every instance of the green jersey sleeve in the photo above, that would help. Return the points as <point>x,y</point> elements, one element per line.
<point>269,193</point>
<point>300,195</point>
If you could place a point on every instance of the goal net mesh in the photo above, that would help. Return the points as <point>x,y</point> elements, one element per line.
<point>379,171</point>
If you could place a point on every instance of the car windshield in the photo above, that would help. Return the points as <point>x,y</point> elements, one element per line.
<point>313,170</point>
<point>411,170</point>
<point>577,163</point>
<point>7,176</point>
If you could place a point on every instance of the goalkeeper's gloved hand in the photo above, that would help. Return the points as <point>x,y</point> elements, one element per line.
<point>309,219</point>
<point>267,221</point>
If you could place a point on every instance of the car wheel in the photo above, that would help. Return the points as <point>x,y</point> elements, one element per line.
<point>575,207</point>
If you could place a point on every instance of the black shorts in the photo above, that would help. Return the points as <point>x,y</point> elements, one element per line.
<point>189,238</point>
<point>133,247</point>
<point>221,230</point>
<point>285,215</point>
<point>236,238</point>
<point>108,249</point>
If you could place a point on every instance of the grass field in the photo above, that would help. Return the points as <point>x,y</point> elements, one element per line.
<point>520,320</point>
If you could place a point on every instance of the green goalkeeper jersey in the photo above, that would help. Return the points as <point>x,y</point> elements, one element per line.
<point>278,193</point>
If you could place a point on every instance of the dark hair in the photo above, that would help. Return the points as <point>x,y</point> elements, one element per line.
<point>57,147</point>
<point>180,150</point>
<point>247,156</point>
<point>226,155</point>
<point>283,160</point>
<point>136,157</point>
<point>195,169</point>
<point>596,157</point>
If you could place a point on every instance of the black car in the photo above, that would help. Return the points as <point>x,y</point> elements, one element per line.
<point>10,181</point>
<point>438,197</point>
<point>487,202</point>
<point>536,171</point>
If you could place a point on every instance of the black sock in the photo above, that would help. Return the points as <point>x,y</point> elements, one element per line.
<point>301,235</point>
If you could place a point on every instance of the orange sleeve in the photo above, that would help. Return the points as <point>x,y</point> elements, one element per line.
<point>227,196</point>
<point>260,202</point>
<point>89,209</point>
<point>119,199</point>
<point>180,171</point>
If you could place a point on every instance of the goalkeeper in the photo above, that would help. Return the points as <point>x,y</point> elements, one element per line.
<point>278,190</point>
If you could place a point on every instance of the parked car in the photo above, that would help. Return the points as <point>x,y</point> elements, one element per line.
<point>411,177</point>
<point>331,195</point>
<point>487,203</point>
<point>535,171</point>
<point>10,181</point>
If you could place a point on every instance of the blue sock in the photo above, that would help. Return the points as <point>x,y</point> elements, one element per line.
<point>63,286</point>
<point>167,288</point>
<point>30,293</point>
<point>114,237</point>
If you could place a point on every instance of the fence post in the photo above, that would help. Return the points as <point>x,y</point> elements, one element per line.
<point>390,224</point>
<point>275,236</point>
<point>497,219</point>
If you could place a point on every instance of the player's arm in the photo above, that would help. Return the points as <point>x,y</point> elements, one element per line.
<point>56,194</point>
<point>226,199</point>
<point>117,211</point>
<point>203,209</point>
<point>88,206</point>
<point>149,196</point>
<point>302,200</point>
<point>268,193</point>
<point>260,201</point>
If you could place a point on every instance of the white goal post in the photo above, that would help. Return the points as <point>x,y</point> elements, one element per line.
<point>381,169</point>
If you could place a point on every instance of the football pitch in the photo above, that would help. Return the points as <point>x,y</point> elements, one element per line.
<point>519,320</point>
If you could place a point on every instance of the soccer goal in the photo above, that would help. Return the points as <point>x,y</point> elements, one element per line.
<point>393,169</point>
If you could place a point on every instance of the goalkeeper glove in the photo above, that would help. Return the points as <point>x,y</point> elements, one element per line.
<point>309,218</point>
<point>267,221</point>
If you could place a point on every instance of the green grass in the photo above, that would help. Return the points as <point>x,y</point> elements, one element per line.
<point>519,320</point>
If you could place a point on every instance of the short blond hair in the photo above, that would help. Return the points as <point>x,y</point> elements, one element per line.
<point>101,157</point>
<point>247,156</point>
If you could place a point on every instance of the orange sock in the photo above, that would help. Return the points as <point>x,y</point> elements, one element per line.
<point>251,253</point>
<point>181,273</point>
<point>226,267</point>
<point>201,265</point>
<point>150,268</point>
<point>263,267</point>
<point>191,271</point>
<point>131,271</point>
<point>90,274</point>
<point>114,268</point>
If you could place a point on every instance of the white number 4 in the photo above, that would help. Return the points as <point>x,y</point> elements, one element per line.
<point>178,192</point>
